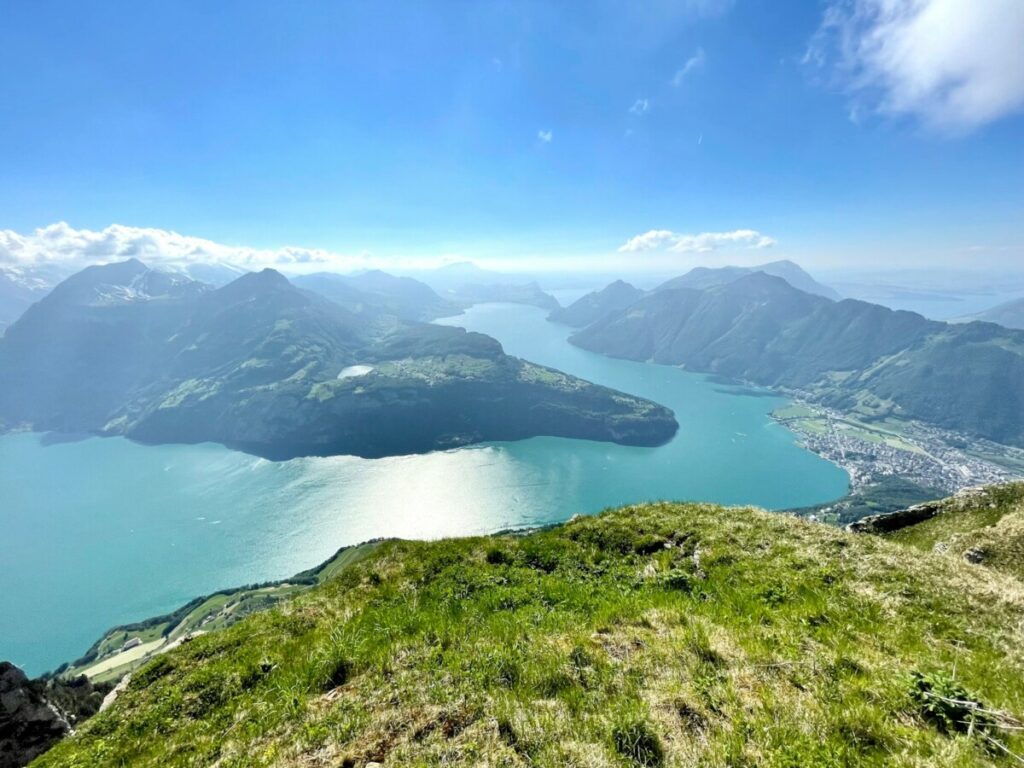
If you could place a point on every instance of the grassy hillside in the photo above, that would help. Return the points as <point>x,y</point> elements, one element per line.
<point>108,660</point>
<point>662,634</point>
<point>985,528</point>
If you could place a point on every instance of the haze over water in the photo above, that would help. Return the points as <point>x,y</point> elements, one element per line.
<point>130,531</point>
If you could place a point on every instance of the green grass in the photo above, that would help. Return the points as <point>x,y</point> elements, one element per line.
<point>989,526</point>
<point>216,611</point>
<point>655,635</point>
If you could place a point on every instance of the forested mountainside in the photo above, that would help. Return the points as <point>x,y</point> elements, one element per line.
<point>598,304</point>
<point>848,354</point>
<point>265,367</point>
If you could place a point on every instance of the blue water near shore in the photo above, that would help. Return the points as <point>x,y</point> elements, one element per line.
<point>98,532</point>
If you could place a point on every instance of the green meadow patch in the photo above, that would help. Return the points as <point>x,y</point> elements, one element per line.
<point>653,635</point>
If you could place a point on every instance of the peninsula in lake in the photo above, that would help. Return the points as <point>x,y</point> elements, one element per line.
<point>265,367</point>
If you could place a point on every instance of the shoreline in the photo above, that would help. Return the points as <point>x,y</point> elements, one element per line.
<point>922,454</point>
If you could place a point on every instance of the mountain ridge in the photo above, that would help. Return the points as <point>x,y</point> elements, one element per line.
<point>259,365</point>
<point>848,354</point>
<point>380,291</point>
<point>792,273</point>
<point>595,305</point>
<point>1009,314</point>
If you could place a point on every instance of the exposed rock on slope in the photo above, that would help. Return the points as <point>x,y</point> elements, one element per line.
<point>983,526</point>
<point>36,713</point>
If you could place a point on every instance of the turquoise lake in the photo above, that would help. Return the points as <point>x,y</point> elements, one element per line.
<point>103,531</point>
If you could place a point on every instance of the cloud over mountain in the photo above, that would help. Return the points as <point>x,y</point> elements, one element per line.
<point>62,245</point>
<point>704,242</point>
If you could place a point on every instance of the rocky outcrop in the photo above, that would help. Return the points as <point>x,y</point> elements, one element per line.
<point>918,513</point>
<point>29,724</point>
<point>35,714</point>
<point>893,521</point>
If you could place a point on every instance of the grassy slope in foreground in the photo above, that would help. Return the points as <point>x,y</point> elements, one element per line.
<point>987,529</point>
<point>662,634</point>
<point>108,660</point>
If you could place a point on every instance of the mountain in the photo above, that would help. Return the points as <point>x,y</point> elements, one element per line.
<point>21,286</point>
<point>1009,314</point>
<point>527,293</point>
<point>653,635</point>
<point>459,273</point>
<point>216,274</point>
<point>15,297</point>
<point>265,367</point>
<point>848,354</point>
<point>378,291</point>
<point>705,277</point>
<point>594,306</point>
<point>123,282</point>
<point>619,294</point>
<point>465,283</point>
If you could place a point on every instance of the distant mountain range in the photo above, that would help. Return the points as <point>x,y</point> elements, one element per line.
<point>266,367</point>
<point>379,291</point>
<point>706,277</point>
<point>16,296</point>
<point>1009,314</point>
<point>598,304</point>
<point>526,293</point>
<point>619,294</point>
<point>453,288</point>
<point>413,299</point>
<point>848,354</point>
<point>452,276</point>
<point>23,285</point>
<point>465,283</point>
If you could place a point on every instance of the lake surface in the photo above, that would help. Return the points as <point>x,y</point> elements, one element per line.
<point>103,531</point>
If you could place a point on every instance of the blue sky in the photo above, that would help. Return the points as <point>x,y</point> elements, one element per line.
<point>539,133</point>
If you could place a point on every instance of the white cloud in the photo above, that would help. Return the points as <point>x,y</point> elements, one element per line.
<point>955,64</point>
<point>61,246</point>
<point>545,136</point>
<point>640,106</point>
<point>694,62</point>
<point>700,243</point>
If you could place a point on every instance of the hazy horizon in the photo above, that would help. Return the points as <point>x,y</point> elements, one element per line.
<point>847,135</point>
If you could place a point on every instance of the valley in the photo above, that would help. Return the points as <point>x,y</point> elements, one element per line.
<point>212,517</point>
<point>926,455</point>
<point>434,384</point>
